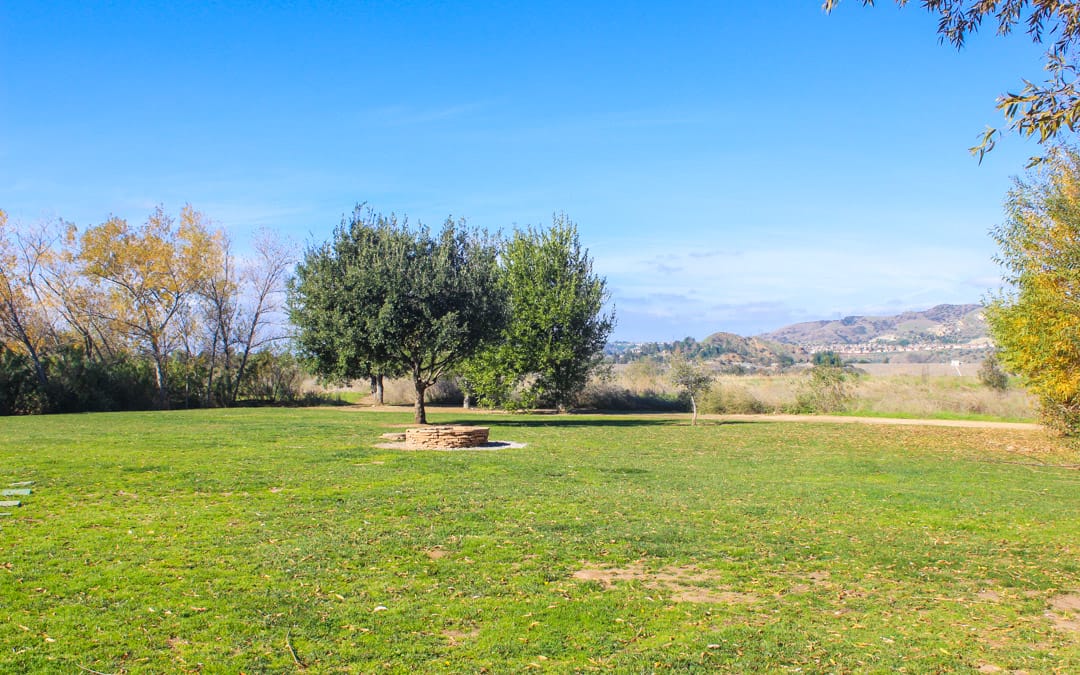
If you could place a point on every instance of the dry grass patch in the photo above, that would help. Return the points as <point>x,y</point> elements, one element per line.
<point>685,583</point>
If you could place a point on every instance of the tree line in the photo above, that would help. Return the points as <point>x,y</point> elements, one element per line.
<point>121,316</point>
<point>165,313</point>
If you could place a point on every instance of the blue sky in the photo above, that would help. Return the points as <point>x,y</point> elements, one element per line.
<point>731,166</point>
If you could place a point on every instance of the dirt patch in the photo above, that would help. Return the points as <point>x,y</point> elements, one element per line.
<point>1066,612</point>
<point>989,596</point>
<point>685,584</point>
<point>456,637</point>
<point>435,553</point>
<point>176,643</point>
<point>1066,603</point>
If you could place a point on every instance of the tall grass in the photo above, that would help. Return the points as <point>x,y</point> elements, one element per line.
<point>644,386</point>
<point>923,395</point>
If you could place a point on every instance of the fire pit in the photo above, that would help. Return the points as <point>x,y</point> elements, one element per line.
<point>442,437</point>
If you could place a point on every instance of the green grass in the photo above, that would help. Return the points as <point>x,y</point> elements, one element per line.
<point>938,415</point>
<point>255,540</point>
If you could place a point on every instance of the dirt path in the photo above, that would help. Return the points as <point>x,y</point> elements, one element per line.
<point>837,419</point>
<point>834,419</point>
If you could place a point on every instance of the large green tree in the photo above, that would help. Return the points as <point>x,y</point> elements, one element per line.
<point>1038,110</point>
<point>557,329</point>
<point>384,297</point>
<point>1036,320</point>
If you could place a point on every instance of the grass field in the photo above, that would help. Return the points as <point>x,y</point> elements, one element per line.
<point>282,540</point>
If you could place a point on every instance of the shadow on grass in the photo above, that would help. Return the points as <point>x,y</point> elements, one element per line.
<point>593,420</point>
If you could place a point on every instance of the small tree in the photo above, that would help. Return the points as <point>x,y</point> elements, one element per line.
<point>992,375</point>
<point>692,378</point>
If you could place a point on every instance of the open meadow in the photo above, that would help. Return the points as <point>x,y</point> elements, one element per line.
<point>283,540</point>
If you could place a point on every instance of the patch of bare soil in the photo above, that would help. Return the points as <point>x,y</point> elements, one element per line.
<point>685,584</point>
<point>1065,612</point>
<point>435,553</point>
<point>456,637</point>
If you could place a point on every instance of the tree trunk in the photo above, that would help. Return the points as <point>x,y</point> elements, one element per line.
<point>693,410</point>
<point>39,371</point>
<point>161,380</point>
<point>419,413</point>
<point>378,388</point>
<point>467,402</point>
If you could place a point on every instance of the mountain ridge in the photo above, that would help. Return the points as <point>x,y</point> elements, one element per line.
<point>944,324</point>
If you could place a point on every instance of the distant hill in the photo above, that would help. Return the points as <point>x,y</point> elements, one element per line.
<point>733,349</point>
<point>943,325</point>
<point>939,334</point>
<point>721,349</point>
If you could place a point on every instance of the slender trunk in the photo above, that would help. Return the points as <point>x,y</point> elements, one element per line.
<point>39,369</point>
<point>467,403</point>
<point>693,410</point>
<point>240,373</point>
<point>379,390</point>
<point>161,381</point>
<point>209,396</point>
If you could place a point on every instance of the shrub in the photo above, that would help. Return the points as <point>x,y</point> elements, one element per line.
<point>733,400</point>
<point>607,396</point>
<point>19,390</point>
<point>826,389</point>
<point>992,375</point>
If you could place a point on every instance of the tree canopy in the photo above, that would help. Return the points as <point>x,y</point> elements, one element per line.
<point>557,327</point>
<point>1040,110</point>
<point>691,377</point>
<point>1036,320</point>
<point>386,297</point>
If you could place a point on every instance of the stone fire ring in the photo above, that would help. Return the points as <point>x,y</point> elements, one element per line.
<point>445,437</point>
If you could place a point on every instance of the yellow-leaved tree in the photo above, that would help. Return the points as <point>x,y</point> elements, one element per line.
<point>147,277</point>
<point>1036,320</point>
<point>24,319</point>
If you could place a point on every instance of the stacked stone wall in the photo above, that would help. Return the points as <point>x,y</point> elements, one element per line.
<point>445,437</point>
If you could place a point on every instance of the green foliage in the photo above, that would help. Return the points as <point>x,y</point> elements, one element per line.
<point>20,390</point>
<point>557,330</point>
<point>992,375</point>
<point>828,359</point>
<point>274,377</point>
<point>826,389</point>
<point>384,298</point>
<point>1036,322</point>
